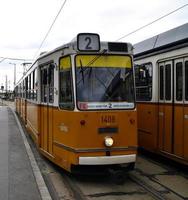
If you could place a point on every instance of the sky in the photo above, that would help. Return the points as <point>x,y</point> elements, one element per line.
<point>24,24</point>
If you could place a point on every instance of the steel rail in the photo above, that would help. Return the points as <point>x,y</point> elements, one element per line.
<point>154,193</point>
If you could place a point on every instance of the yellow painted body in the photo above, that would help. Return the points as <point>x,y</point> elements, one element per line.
<point>162,128</point>
<point>80,137</point>
<point>147,125</point>
<point>62,137</point>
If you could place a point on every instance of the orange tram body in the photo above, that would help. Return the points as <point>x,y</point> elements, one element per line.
<point>161,76</point>
<point>78,104</point>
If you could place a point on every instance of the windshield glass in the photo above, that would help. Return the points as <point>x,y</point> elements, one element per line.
<point>104,82</point>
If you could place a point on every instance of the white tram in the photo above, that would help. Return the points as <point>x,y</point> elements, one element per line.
<point>161,75</point>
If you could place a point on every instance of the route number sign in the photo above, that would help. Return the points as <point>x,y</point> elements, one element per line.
<point>88,42</point>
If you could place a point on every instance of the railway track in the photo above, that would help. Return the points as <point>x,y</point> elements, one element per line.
<point>150,180</point>
<point>137,186</point>
<point>153,192</point>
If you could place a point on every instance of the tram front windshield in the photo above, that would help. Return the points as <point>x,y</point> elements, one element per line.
<point>104,82</point>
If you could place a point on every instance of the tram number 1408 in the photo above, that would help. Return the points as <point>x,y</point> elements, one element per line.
<point>108,119</point>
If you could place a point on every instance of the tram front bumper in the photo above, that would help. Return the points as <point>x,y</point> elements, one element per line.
<point>107,160</point>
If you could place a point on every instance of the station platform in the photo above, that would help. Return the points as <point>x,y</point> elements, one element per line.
<point>17,178</point>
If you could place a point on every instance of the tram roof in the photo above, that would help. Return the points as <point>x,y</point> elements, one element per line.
<point>176,36</point>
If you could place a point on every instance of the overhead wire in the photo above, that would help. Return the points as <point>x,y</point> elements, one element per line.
<point>49,30</point>
<point>9,58</point>
<point>142,27</point>
<point>62,6</point>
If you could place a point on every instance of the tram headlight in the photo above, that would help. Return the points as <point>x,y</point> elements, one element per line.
<point>108,141</point>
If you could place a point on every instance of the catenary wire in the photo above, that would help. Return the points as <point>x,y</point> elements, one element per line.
<point>18,59</point>
<point>142,27</point>
<point>62,6</point>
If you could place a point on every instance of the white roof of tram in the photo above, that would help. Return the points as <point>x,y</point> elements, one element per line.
<point>178,35</point>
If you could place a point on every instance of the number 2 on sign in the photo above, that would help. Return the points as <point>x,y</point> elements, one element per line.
<point>88,45</point>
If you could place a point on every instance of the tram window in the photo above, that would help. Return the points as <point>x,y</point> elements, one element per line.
<point>15,91</point>
<point>65,96</point>
<point>31,90</point>
<point>32,85</point>
<point>143,80</point>
<point>179,81</point>
<point>51,83</point>
<point>168,82</point>
<point>28,90</point>
<point>35,84</point>
<point>19,90</point>
<point>26,87</point>
<point>22,90</point>
<point>44,85</point>
<point>29,86</point>
<point>24,93</point>
<point>186,80</point>
<point>44,76</point>
<point>161,82</point>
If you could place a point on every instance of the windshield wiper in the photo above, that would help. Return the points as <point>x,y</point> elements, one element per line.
<point>127,74</point>
<point>82,70</point>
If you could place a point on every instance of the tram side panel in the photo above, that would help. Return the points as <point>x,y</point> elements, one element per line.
<point>178,130</point>
<point>46,115</point>
<point>16,104</point>
<point>185,119</point>
<point>147,108</point>
<point>25,111</point>
<point>33,120</point>
<point>185,138</point>
<point>164,129</point>
<point>23,103</point>
<point>147,125</point>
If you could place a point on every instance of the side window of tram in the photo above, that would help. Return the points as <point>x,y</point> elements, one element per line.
<point>65,97</point>
<point>35,85</point>
<point>179,81</point>
<point>168,82</point>
<point>47,84</point>
<point>24,92</point>
<point>186,80</point>
<point>44,85</point>
<point>29,87</point>
<point>26,87</point>
<point>161,85</point>
<point>51,83</point>
<point>143,80</point>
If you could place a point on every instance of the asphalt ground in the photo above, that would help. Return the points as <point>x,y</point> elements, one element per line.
<point>18,179</point>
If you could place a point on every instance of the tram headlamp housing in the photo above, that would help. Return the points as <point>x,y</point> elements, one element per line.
<point>108,141</point>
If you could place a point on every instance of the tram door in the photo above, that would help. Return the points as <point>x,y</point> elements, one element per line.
<point>173,107</point>
<point>46,109</point>
<point>185,123</point>
<point>165,106</point>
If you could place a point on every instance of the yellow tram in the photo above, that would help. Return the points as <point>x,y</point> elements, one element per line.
<point>161,75</point>
<point>78,104</point>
